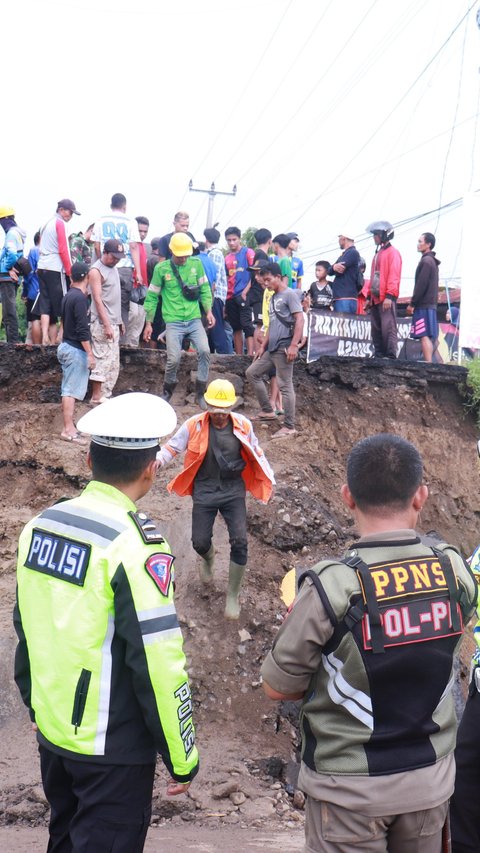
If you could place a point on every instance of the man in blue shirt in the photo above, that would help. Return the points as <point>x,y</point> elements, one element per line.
<point>345,270</point>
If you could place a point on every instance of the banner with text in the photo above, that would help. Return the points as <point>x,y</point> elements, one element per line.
<point>333,333</point>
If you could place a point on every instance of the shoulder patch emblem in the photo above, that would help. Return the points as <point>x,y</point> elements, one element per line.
<point>159,567</point>
<point>147,528</point>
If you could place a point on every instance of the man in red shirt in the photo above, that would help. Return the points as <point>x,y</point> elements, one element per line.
<point>383,291</point>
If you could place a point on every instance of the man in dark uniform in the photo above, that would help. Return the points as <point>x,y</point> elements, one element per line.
<point>369,646</point>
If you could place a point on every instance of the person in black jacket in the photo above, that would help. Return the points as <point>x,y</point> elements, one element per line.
<point>423,304</point>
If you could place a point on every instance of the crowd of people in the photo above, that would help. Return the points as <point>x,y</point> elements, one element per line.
<point>362,631</point>
<point>177,293</point>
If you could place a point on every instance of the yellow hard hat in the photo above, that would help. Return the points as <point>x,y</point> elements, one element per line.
<point>180,245</point>
<point>6,211</point>
<point>220,394</point>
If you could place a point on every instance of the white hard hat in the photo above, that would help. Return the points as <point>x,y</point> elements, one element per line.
<point>130,422</point>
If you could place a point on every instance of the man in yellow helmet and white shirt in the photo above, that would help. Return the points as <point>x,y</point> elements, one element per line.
<point>223,461</point>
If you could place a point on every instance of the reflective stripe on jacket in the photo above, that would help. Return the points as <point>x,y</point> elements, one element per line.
<point>99,662</point>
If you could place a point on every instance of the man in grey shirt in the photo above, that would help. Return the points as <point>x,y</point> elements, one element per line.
<point>106,320</point>
<point>279,348</point>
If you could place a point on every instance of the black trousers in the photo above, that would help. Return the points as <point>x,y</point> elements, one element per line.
<point>234,512</point>
<point>384,330</point>
<point>96,808</point>
<point>465,803</point>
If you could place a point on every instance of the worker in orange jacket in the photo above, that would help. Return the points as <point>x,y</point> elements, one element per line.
<point>223,461</point>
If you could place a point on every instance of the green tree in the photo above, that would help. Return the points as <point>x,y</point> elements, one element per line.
<point>247,237</point>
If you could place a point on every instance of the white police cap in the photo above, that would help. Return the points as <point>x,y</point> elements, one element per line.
<point>130,422</point>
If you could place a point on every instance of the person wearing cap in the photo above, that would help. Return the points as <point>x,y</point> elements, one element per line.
<point>54,265</point>
<point>369,647</point>
<point>181,224</point>
<point>345,269</point>
<point>218,336</point>
<point>183,287</point>
<point>99,661</point>
<point>383,290</point>
<point>279,348</point>
<point>223,461</point>
<point>117,225</point>
<point>297,263</point>
<point>75,351</point>
<point>106,320</point>
<point>11,252</point>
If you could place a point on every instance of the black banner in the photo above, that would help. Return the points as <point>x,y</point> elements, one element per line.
<point>350,335</point>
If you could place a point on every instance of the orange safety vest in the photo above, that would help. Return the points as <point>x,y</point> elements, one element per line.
<point>257,480</point>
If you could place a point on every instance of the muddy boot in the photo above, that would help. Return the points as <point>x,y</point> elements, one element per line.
<point>206,566</point>
<point>168,389</point>
<point>200,388</point>
<point>235,578</point>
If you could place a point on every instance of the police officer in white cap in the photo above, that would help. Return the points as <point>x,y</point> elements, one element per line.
<point>99,662</point>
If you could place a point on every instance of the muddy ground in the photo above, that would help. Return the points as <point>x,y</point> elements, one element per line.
<point>244,797</point>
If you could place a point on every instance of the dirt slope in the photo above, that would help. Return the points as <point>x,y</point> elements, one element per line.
<point>245,745</point>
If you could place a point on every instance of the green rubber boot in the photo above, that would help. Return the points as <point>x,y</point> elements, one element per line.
<point>206,565</point>
<point>235,578</point>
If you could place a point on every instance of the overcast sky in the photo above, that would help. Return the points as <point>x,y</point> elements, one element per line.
<point>320,111</point>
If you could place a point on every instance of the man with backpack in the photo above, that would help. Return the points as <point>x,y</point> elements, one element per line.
<point>279,348</point>
<point>184,287</point>
<point>369,646</point>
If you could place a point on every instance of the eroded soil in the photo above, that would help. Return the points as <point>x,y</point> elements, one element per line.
<point>248,749</point>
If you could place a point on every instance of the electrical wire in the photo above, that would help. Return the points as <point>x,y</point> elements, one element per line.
<point>390,38</point>
<point>234,110</point>
<point>279,216</point>
<point>392,111</point>
<point>313,90</point>
<point>272,96</point>
<point>452,132</point>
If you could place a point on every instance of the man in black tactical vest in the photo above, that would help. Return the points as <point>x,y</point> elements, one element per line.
<point>369,646</point>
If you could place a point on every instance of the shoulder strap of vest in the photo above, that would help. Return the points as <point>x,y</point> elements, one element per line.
<point>456,593</point>
<point>323,596</point>
<point>356,612</point>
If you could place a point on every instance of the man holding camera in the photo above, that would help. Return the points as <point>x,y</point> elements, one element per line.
<point>184,287</point>
<point>223,461</point>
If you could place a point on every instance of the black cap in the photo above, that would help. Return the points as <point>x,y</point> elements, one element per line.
<point>293,235</point>
<point>68,204</point>
<point>212,235</point>
<point>258,264</point>
<point>115,248</point>
<point>79,271</point>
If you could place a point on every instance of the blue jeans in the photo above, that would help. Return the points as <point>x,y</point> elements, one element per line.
<point>218,336</point>
<point>175,333</point>
<point>74,371</point>
<point>346,306</point>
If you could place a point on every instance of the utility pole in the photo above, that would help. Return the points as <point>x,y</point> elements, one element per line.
<point>212,192</point>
